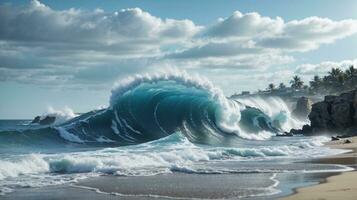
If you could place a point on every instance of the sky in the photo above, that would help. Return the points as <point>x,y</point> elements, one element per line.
<point>68,54</point>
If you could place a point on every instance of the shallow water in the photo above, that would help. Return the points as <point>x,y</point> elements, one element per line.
<point>174,186</point>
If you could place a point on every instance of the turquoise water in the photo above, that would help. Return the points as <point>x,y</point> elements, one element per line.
<point>160,125</point>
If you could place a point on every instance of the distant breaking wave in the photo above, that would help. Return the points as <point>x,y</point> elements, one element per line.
<point>149,107</point>
<point>61,116</point>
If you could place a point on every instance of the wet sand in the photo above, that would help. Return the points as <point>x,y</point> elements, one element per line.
<point>342,186</point>
<point>175,186</point>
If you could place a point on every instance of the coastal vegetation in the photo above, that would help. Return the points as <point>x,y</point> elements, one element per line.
<point>335,82</point>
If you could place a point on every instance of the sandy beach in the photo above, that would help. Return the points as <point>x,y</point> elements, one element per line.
<point>342,186</point>
<point>176,186</point>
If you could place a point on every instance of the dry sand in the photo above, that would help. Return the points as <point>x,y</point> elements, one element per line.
<point>342,186</point>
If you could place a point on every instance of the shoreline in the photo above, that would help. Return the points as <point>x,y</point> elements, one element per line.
<point>201,186</point>
<point>340,186</point>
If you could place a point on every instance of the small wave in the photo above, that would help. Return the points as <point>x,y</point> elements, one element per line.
<point>171,153</point>
<point>28,165</point>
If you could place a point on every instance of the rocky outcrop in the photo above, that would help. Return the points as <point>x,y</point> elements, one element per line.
<point>320,117</point>
<point>334,115</point>
<point>46,120</point>
<point>303,108</point>
<point>306,130</point>
<point>36,120</point>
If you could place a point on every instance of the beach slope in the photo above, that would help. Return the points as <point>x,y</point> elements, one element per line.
<point>342,186</point>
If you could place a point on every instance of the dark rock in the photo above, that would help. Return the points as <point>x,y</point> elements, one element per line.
<point>47,120</point>
<point>336,114</point>
<point>303,107</point>
<point>285,134</point>
<point>341,114</point>
<point>295,131</point>
<point>36,120</point>
<point>347,141</point>
<point>344,136</point>
<point>348,96</point>
<point>320,116</point>
<point>334,138</point>
<point>329,98</point>
<point>306,130</point>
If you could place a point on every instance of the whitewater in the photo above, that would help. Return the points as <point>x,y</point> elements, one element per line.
<point>160,124</point>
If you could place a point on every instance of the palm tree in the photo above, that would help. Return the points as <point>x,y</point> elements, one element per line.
<point>316,84</point>
<point>282,86</point>
<point>351,76</point>
<point>337,79</point>
<point>296,82</point>
<point>351,72</point>
<point>335,73</point>
<point>271,87</point>
<point>326,83</point>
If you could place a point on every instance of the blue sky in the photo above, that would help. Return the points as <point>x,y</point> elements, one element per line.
<point>69,53</point>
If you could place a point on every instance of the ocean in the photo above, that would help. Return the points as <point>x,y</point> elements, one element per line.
<point>160,126</point>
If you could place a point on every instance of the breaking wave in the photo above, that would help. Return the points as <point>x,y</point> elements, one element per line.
<point>170,154</point>
<point>145,108</point>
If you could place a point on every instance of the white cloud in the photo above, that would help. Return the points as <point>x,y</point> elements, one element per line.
<point>297,35</point>
<point>81,48</point>
<point>251,41</point>
<point>49,47</point>
<point>126,30</point>
<point>245,25</point>
<point>323,67</point>
<point>309,34</point>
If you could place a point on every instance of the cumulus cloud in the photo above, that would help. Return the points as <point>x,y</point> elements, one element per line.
<point>324,67</point>
<point>254,41</point>
<point>245,25</point>
<point>39,23</point>
<point>77,48</point>
<point>296,35</point>
<point>310,33</point>
<point>45,46</point>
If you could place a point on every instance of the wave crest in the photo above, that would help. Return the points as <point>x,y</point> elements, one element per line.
<point>144,108</point>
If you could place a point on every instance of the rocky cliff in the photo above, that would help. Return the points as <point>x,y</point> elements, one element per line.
<point>45,120</point>
<point>303,108</point>
<point>333,115</point>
